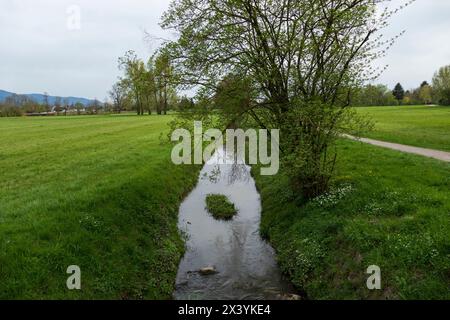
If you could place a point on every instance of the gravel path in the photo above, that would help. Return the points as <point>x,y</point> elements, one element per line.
<point>430,153</point>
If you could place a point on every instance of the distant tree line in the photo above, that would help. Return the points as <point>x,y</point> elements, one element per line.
<point>380,95</point>
<point>18,105</point>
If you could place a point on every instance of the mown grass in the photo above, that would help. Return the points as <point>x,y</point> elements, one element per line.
<point>385,208</point>
<point>420,126</point>
<point>220,207</point>
<point>99,192</point>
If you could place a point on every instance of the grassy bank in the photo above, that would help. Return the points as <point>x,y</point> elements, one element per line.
<point>386,208</point>
<point>420,126</point>
<point>97,192</point>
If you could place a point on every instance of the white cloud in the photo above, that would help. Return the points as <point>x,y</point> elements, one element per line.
<point>39,53</point>
<point>424,48</point>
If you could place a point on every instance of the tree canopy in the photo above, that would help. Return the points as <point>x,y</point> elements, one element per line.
<point>302,61</point>
<point>441,85</point>
<point>150,85</point>
<point>398,92</point>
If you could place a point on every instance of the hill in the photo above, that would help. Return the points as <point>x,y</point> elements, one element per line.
<point>39,98</point>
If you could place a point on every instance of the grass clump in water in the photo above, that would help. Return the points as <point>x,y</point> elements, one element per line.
<point>220,207</point>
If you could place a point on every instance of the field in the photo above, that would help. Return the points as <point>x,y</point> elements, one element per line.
<point>99,192</point>
<point>419,126</point>
<point>385,208</point>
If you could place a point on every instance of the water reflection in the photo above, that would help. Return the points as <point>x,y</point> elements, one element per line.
<point>245,263</point>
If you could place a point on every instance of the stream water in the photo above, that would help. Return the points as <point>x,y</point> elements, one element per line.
<point>245,263</point>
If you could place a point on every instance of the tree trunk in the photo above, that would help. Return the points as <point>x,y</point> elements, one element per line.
<point>165,98</point>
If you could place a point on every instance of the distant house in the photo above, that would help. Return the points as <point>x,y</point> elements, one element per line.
<point>40,114</point>
<point>58,110</point>
<point>76,111</point>
<point>69,110</point>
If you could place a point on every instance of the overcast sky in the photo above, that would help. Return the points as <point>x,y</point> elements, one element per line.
<point>42,48</point>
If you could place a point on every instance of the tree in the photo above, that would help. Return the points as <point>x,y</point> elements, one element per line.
<point>46,102</point>
<point>399,93</point>
<point>232,95</point>
<point>134,78</point>
<point>119,95</point>
<point>7,110</point>
<point>163,80</point>
<point>374,95</point>
<point>151,85</point>
<point>94,106</point>
<point>441,85</point>
<point>303,60</point>
<point>79,107</point>
<point>424,84</point>
<point>65,106</point>
<point>108,107</point>
<point>16,104</point>
<point>185,104</point>
<point>140,79</point>
<point>425,93</point>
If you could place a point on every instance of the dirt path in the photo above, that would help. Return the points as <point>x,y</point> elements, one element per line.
<point>430,153</point>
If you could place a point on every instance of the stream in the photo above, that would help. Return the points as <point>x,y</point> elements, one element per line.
<point>245,263</point>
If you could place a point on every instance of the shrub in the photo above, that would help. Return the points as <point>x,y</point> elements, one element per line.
<point>220,207</point>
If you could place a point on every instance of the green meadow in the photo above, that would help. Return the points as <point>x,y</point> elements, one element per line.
<point>419,126</point>
<point>385,208</point>
<point>99,192</point>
